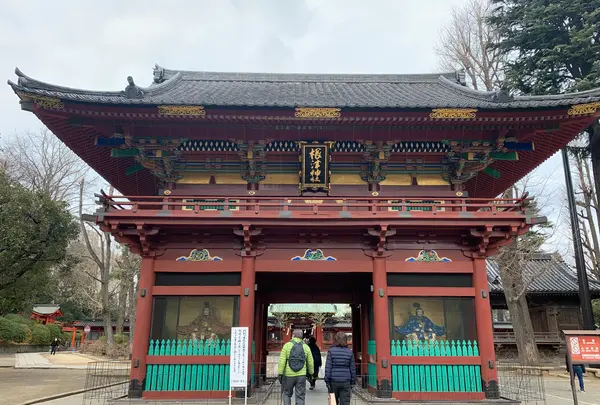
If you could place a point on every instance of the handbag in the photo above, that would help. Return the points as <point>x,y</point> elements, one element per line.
<point>332,399</point>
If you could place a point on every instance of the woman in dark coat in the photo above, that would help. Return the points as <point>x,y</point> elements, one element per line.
<point>316,354</point>
<point>340,370</point>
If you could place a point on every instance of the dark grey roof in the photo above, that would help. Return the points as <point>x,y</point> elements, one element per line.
<point>306,90</point>
<point>95,323</point>
<point>550,276</point>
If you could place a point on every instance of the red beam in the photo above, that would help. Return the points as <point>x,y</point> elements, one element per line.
<point>195,290</point>
<point>431,291</point>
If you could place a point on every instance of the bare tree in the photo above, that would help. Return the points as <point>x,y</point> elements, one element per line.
<point>467,43</point>
<point>128,266</point>
<point>41,162</point>
<point>512,262</point>
<point>103,260</point>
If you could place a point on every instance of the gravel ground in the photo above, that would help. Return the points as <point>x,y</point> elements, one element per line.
<point>20,385</point>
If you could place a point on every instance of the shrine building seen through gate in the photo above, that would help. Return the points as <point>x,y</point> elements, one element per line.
<point>244,191</point>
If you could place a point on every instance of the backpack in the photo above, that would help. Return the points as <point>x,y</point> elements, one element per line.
<point>297,357</point>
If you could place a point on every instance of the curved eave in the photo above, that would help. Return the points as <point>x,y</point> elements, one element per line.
<point>374,95</point>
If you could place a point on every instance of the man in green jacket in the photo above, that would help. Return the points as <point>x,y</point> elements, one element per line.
<point>294,361</point>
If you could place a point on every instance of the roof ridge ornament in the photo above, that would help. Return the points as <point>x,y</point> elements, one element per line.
<point>503,95</point>
<point>159,74</point>
<point>132,91</point>
<point>461,77</point>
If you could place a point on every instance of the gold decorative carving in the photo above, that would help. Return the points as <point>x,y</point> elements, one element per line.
<point>313,201</point>
<point>449,113</point>
<point>42,101</point>
<point>582,109</point>
<point>186,110</point>
<point>303,112</point>
<point>251,192</point>
<point>167,192</point>
<point>459,193</point>
<point>375,193</point>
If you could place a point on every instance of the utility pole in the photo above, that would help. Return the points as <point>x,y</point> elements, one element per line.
<point>585,300</point>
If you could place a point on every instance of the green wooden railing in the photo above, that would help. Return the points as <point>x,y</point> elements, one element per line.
<point>190,377</point>
<point>372,367</point>
<point>442,348</point>
<point>436,378</point>
<point>187,377</point>
<point>178,347</point>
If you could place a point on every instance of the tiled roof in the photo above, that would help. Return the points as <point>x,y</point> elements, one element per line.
<point>95,323</point>
<point>302,308</point>
<point>308,90</point>
<point>46,309</point>
<point>550,276</point>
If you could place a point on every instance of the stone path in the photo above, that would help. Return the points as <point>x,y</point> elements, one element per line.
<point>72,361</point>
<point>7,360</point>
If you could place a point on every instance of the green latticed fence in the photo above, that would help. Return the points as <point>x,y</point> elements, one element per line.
<point>187,377</point>
<point>190,377</point>
<point>436,378</point>
<point>372,367</point>
<point>177,347</point>
<point>443,348</point>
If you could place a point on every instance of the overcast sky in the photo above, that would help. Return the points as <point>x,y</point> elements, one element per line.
<point>96,45</point>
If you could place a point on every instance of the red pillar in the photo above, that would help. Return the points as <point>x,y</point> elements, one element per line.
<point>247,302</point>
<point>365,336</point>
<point>143,320</point>
<point>382,328</point>
<point>319,336</point>
<point>485,329</point>
<point>258,332</point>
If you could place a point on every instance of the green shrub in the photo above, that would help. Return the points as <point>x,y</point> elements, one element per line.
<point>121,339</point>
<point>12,332</point>
<point>40,335</point>
<point>20,319</point>
<point>55,331</point>
<point>20,333</point>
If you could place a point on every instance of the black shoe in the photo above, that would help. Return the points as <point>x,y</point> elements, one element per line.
<point>311,388</point>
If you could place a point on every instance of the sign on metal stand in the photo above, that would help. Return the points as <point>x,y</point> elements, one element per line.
<point>583,347</point>
<point>238,361</point>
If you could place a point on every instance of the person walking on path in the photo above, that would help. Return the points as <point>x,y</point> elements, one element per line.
<point>295,362</point>
<point>53,346</point>
<point>578,370</point>
<point>316,354</point>
<point>340,369</point>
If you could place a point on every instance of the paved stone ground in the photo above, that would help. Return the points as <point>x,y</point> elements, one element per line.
<point>65,360</point>
<point>7,360</point>
<point>20,385</point>
<point>558,391</point>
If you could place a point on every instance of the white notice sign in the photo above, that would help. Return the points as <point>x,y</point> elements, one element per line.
<point>238,359</point>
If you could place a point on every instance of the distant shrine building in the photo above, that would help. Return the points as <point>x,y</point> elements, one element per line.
<point>242,190</point>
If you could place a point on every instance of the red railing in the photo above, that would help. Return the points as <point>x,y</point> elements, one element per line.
<point>316,205</point>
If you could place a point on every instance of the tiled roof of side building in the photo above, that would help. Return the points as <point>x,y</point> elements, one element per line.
<point>46,309</point>
<point>549,276</point>
<point>302,308</point>
<point>437,90</point>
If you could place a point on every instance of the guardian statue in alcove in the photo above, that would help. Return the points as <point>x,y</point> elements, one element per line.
<point>420,327</point>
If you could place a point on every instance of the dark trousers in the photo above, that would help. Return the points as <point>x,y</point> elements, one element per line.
<point>578,371</point>
<point>313,378</point>
<point>291,386</point>
<point>342,391</point>
<point>53,349</point>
